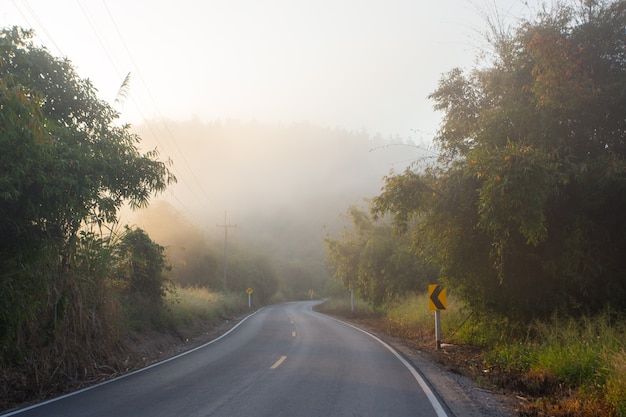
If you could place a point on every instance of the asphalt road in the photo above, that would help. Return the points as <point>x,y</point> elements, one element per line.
<point>284,360</point>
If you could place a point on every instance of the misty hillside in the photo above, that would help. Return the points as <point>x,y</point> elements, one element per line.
<point>284,186</point>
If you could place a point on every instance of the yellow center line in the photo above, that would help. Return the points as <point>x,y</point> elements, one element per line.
<point>278,362</point>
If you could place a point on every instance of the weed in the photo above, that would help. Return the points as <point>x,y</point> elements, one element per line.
<point>615,388</point>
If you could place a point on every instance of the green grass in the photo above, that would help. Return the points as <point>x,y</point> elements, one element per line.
<point>585,355</point>
<point>615,388</point>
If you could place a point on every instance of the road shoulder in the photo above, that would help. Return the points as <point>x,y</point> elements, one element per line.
<point>461,395</point>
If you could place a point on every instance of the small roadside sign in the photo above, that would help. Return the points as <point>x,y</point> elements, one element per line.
<point>437,299</point>
<point>249,292</point>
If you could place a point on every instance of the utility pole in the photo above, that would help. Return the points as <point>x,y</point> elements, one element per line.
<point>226,225</point>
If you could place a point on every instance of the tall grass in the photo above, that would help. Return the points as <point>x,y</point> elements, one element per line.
<point>189,306</point>
<point>408,317</point>
<point>412,318</point>
<point>585,355</point>
<point>615,388</point>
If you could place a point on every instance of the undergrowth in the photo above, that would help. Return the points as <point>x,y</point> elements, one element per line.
<point>565,355</point>
<point>192,304</point>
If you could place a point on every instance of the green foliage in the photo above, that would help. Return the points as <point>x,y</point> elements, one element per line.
<point>139,273</point>
<point>527,200</point>
<point>250,270</point>
<point>572,349</point>
<point>585,355</point>
<point>379,265</point>
<point>65,164</point>
<point>141,264</point>
<point>512,357</point>
<point>67,159</point>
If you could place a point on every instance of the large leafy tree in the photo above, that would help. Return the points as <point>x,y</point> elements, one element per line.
<point>64,157</point>
<point>524,213</point>
<point>64,162</point>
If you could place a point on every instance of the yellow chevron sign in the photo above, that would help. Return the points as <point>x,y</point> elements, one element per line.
<point>437,299</point>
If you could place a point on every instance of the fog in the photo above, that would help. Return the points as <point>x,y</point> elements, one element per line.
<point>284,187</point>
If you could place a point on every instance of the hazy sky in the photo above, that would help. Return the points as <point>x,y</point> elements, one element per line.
<point>354,64</point>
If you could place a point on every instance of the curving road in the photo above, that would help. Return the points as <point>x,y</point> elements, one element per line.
<point>284,360</point>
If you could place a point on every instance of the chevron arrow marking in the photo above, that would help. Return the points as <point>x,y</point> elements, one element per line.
<point>436,297</point>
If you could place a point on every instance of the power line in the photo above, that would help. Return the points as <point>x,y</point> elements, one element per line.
<point>154,129</point>
<point>112,61</point>
<point>100,41</point>
<point>141,78</point>
<point>39,22</point>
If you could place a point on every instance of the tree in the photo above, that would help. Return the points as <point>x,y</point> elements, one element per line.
<point>523,214</point>
<point>140,272</point>
<point>373,261</point>
<point>250,269</point>
<point>64,162</point>
<point>141,263</point>
<point>86,166</point>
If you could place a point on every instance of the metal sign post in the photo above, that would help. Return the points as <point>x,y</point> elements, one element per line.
<point>438,329</point>
<point>437,301</point>
<point>249,292</point>
<point>352,301</point>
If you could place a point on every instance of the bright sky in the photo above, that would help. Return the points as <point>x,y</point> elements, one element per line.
<point>354,64</point>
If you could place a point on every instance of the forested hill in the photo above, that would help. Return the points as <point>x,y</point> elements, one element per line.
<point>284,186</point>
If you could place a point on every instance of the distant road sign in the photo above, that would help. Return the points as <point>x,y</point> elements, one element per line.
<point>437,299</point>
<point>249,291</point>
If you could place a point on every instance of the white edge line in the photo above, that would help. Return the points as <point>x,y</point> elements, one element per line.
<point>71,394</point>
<point>422,383</point>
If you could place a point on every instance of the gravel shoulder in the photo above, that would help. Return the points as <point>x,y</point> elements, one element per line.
<point>462,395</point>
